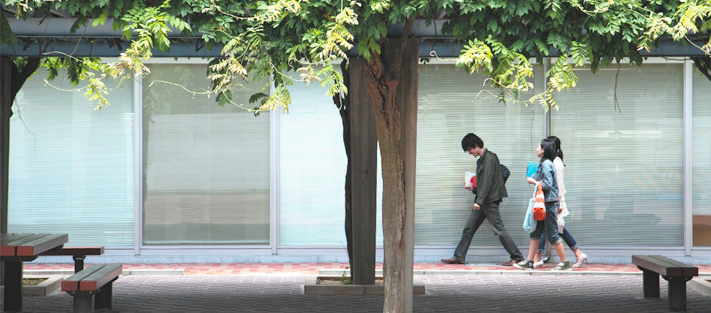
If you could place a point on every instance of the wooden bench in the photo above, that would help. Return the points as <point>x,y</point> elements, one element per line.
<point>16,248</point>
<point>93,283</point>
<point>675,272</point>
<point>78,254</point>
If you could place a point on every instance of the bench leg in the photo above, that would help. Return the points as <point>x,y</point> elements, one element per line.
<point>677,293</point>
<point>83,302</point>
<point>650,284</point>
<point>13,286</point>
<point>78,263</point>
<point>103,297</point>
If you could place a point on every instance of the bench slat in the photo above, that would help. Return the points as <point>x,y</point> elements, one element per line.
<point>687,270</point>
<point>6,250</point>
<point>42,244</point>
<point>88,250</point>
<point>72,283</point>
<point>12,245</point>
<point>8,243</point>
<point>99,278</point>
<point>656,265</point>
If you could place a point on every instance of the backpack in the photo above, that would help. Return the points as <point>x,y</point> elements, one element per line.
<point>505,173</point>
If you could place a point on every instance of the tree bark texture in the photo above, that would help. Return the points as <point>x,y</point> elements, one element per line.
<point>11,80</point>
<point>364,180</point>
<point>343,105</point>
<point>392,86</point>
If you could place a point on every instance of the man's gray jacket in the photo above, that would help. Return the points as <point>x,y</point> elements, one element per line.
<point>489,182</point>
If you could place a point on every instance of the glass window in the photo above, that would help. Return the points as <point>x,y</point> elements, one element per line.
<point>205,167</point>
<point>451,104</point>
<point>313,172</point>
<point>71,167</point>
<point>624,170</point>
<point>701,121</point>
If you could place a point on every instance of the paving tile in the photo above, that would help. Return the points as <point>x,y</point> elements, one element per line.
<point>461,293</point>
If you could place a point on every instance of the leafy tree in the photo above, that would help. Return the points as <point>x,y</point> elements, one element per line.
<point>266,39</point>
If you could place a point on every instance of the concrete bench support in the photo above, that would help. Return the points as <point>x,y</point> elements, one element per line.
<point>674,272</point>
<point>92,287</point>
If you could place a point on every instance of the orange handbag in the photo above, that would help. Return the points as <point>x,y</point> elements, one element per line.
<point>539,205</point>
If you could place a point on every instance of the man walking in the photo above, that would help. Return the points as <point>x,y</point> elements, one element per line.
<point>490,191</point>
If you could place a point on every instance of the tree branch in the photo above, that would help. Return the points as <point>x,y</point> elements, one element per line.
<point>704,65</point>
<point>19,78</point>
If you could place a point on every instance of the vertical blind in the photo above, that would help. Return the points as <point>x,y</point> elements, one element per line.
<point>624,169</point>
<point>701,156</point>
<point>313,171</point>
<point>71,168</point>
<point>451,104</point>
<point>205,167</point>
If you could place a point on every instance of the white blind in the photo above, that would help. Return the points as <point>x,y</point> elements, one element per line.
<point>71,168</point>
<point>701,159</point>
<point>206,167</point>
<point>624,169</point>
<point>449,108</point>
<point>313,172</point>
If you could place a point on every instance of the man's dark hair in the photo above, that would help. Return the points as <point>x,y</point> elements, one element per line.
<point>548,147</point>
<point>471,141</point>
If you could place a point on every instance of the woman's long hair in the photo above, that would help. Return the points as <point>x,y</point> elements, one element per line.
<point>548,147</point>
<point>558,150</point>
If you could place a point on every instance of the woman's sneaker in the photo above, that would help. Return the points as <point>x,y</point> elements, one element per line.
<point>526,265</point>
<point>563,266</point>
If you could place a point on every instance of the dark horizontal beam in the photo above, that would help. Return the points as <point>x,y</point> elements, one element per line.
<point>195,48</point>
<point>103,50</point>
<point>59,30</point>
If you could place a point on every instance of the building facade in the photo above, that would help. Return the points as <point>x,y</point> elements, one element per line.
<point>165,174</point>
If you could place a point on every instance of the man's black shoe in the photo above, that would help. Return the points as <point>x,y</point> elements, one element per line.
<point>452,260</point>
<point>510,262</point>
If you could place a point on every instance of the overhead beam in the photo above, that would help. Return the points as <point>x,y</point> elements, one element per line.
<point>58,30</point>
<point>61,27</point>
<point>196,48</point>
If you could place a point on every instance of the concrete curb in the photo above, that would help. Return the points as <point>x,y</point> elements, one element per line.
<point>702,285</point>
<point>340,272</point>
<point>47,287</point>
<point>311,288</point>
<point>44,273</point>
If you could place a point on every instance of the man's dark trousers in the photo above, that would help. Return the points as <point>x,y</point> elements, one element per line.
<point>489,211</point>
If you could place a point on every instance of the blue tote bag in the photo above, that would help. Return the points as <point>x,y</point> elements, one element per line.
<point>529,221</point>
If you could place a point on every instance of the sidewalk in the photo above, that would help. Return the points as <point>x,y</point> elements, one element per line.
<point>449,288</point>
<point>314,268</point>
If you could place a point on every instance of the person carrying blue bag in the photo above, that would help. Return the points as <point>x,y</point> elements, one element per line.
<point>546,176</point>
<point>562,212</point>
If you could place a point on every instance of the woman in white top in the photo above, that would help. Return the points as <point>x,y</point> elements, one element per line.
<point>562,212</point>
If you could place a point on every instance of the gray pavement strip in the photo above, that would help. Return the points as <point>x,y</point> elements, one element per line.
<point>125,272</point>
<point>445,293</point>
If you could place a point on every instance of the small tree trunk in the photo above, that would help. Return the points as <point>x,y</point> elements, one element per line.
<point>343,104</point>
<point>6,99</point>
<point>11,80</point>
<point>392,87</point>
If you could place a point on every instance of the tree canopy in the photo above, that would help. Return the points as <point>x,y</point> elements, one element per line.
<point>268,38</point>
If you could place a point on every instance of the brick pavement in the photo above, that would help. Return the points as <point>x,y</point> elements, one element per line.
<point>313,268</point>
<point>445,293</point>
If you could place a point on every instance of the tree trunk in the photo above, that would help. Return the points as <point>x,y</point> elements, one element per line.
<point>392,86</point>
<point>364,180</point>
<point>11,80</point>
<point>343,104</point>
<point>6,99</point>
